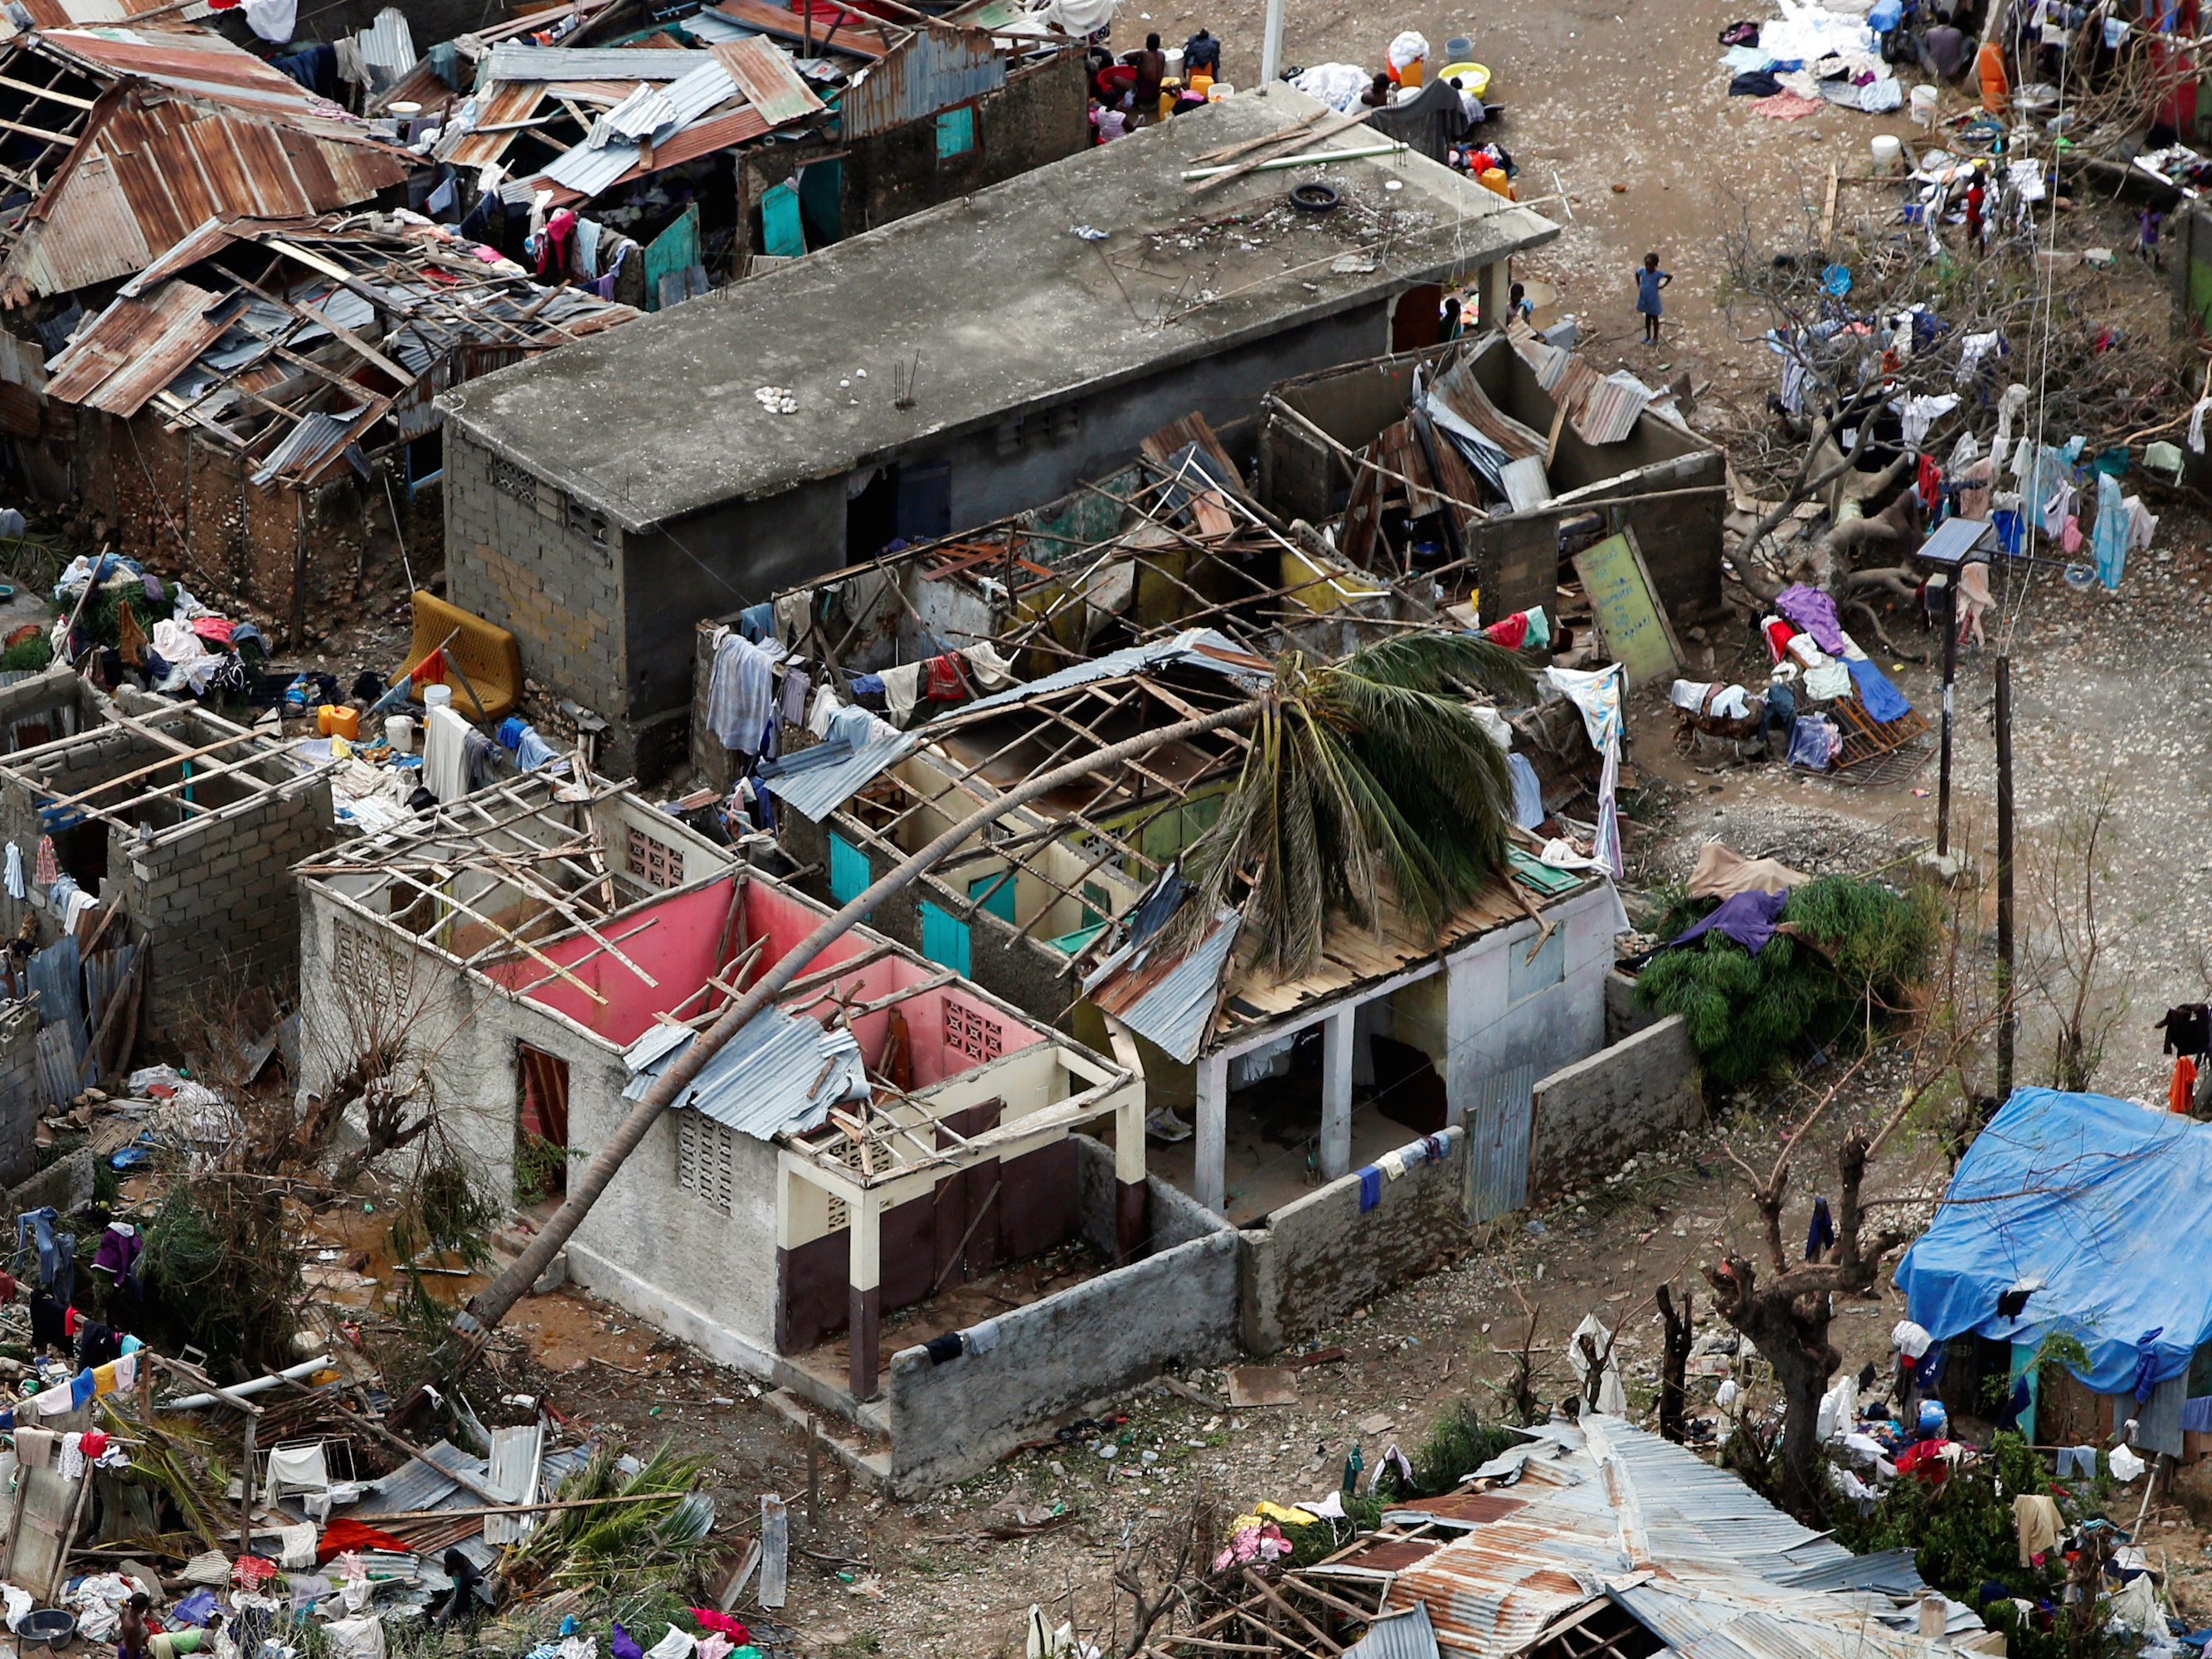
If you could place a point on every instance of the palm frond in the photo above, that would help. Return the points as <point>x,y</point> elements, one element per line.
<point>1366,783</point>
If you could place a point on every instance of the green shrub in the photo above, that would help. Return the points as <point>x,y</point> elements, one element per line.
<point>1746,1014</point>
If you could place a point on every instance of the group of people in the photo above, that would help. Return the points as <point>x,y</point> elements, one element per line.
<point>1136,89</point>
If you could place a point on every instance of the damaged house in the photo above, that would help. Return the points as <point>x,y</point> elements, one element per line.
<point>589,512</point>
<point>261,400</point>
<point>1488,464</point>
<point>887,1132</point>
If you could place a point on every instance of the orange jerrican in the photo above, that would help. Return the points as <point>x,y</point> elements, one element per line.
<point>1990,64</point>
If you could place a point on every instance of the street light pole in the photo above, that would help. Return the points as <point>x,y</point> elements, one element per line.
<point>1271,44</point>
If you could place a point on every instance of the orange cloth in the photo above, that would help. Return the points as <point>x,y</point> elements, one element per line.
<point>2184,1087</point>
<point>1990,63</point>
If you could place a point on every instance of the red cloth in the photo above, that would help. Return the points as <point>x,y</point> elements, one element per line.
<point>946,685</point>
<point>2182,1089</point>
<point>1929,483</point>
<point>217,628</point>
<point>1926,1461</point>
<point>346,1533</point>
<point>93,1443</point>
<point>431,671</point>
<point>1509,633</point>
<point>1778,636</point>
<point>7,1286</point>
<point>69,1318</point>
<point>722,1623</point>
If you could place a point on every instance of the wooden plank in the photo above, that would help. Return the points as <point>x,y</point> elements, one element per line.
<point>776,1550</point>
<point>1293,139</point>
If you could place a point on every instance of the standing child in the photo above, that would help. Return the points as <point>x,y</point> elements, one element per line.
<point>130,1633</point>
<point>1649,281</point>
<point>2147,229</point>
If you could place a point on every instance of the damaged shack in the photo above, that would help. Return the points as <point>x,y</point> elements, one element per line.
<point>588,515</point>
<point>888,1132</point>
<point>260,402</point>
<point>1488,462</point>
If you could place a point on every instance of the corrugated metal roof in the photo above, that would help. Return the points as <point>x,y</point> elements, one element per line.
<point>786,24</point>
<point>1685,1548</point>
<point>151,170</point>
<point>780,1075</point>
<point>817,786</point>
<point>515,1457</point>
<point>136,347</point>
<point>388,44</point>
<point>312,440</point>
<point>1170,1005</point>
<point>715,133</point>
<point>1406,1635</point>
<point>765,76</point>
<point>499,104</point>
<point>932,70</point>
<point>521,60</point>
<point>413,1486</point>
<point>654,114</point>
<point>1196,647</point>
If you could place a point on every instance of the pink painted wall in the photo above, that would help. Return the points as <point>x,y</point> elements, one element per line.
<point>678,949</point>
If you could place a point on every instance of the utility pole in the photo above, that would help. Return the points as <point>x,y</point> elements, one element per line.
<point>1271,44</point>
<point>2006,1020</point>
<point>1950,673</point>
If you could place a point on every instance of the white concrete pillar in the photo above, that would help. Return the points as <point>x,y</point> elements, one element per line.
<point>1211,1174</point>
<point>865,1307</point>
<point>1337,1043</point>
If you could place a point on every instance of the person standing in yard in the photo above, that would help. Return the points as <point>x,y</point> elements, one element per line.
<point>1151,67</point>
<point>1976,195</point>
<point>130,1633</point>
<point>1649,281</point>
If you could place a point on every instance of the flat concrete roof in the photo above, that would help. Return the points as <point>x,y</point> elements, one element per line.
<point>1002,306</point>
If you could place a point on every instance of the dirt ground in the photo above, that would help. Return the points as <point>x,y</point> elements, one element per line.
<point>1600,94</point>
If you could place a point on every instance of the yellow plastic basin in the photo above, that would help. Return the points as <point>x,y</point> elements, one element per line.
<point>1477,77</point>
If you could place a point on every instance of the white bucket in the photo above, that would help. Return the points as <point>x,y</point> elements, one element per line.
<point>1886,153</point>
<point>399,732</point>
<point>1219,90</point>
<point>1923,105</point>
<point>436,697</point>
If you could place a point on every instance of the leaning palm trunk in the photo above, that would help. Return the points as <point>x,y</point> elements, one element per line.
<point>492,1305</point>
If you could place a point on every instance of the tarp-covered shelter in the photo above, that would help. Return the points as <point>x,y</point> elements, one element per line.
<point>2108,1204</point>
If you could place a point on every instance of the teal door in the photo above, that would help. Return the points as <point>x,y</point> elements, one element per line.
<point>944,938</point>
<point>849,870</point>
<point>994,894</point>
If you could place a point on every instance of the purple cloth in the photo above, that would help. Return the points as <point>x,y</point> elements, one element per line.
<point>1811,612</point>
<point>1747,918</point>
<point>117,1253</point>
<point>624,1645</point>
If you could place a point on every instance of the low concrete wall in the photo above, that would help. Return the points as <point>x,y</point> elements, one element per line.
<point>1623,1015</point>
<point>1172,1217</point>
<point>1069,1353</point>
<point>1321,1256</point>
<point>1594,1113</point>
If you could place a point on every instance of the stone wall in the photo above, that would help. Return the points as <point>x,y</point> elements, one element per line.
<point>23,1096</point>
<point>1593,1115</point>
<point>522,555</point>
<point>1067,1354</point>
<point>1318,1258</point>
<point>219,903</point>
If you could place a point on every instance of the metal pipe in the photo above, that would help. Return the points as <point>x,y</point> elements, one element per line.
<point>193,1402</point>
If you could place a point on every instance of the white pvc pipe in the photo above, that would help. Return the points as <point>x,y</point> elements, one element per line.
<point>1312,158</point>
<point>192,1402</point>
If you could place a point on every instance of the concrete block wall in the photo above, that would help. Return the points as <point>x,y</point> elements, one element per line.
<point>23,1096</point>
<point>522,555</point>
<point>218,907</point>
<point>1322,1256</point>
<point>1067,1354</point>
<point>1592,1115</point>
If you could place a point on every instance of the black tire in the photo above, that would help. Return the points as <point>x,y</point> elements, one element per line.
<point>1314,197</point>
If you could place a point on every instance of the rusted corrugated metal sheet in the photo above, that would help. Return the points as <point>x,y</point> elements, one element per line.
<point>497,106</point>
<point>936,69</point>
<point>136,347</point>
<point>768,82</point>
<point>720,133</point>
<point>783,24</point>
<point>151,170</point>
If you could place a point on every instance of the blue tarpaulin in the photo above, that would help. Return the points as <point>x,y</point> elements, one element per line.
<point>2108,1204</point>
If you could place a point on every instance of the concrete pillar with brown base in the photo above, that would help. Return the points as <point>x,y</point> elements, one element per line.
<point>864,1332</point>
<point>1132,1217</point>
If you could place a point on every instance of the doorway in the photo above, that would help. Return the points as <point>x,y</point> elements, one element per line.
<point>1416,320</point>
<point>541,1124</point>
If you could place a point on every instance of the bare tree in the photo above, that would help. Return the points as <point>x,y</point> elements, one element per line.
<point>1165,1570</point>
<point>2073,976</point>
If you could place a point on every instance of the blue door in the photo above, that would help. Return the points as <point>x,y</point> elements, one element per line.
<point>849,870</point>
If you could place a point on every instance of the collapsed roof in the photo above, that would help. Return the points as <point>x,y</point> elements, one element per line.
<point>120,142</point>
<point>338,338</point>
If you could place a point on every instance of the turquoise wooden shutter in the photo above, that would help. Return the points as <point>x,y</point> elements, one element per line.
<point>849,870</point>
<point>994,894</point>
<point>944,938</point>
